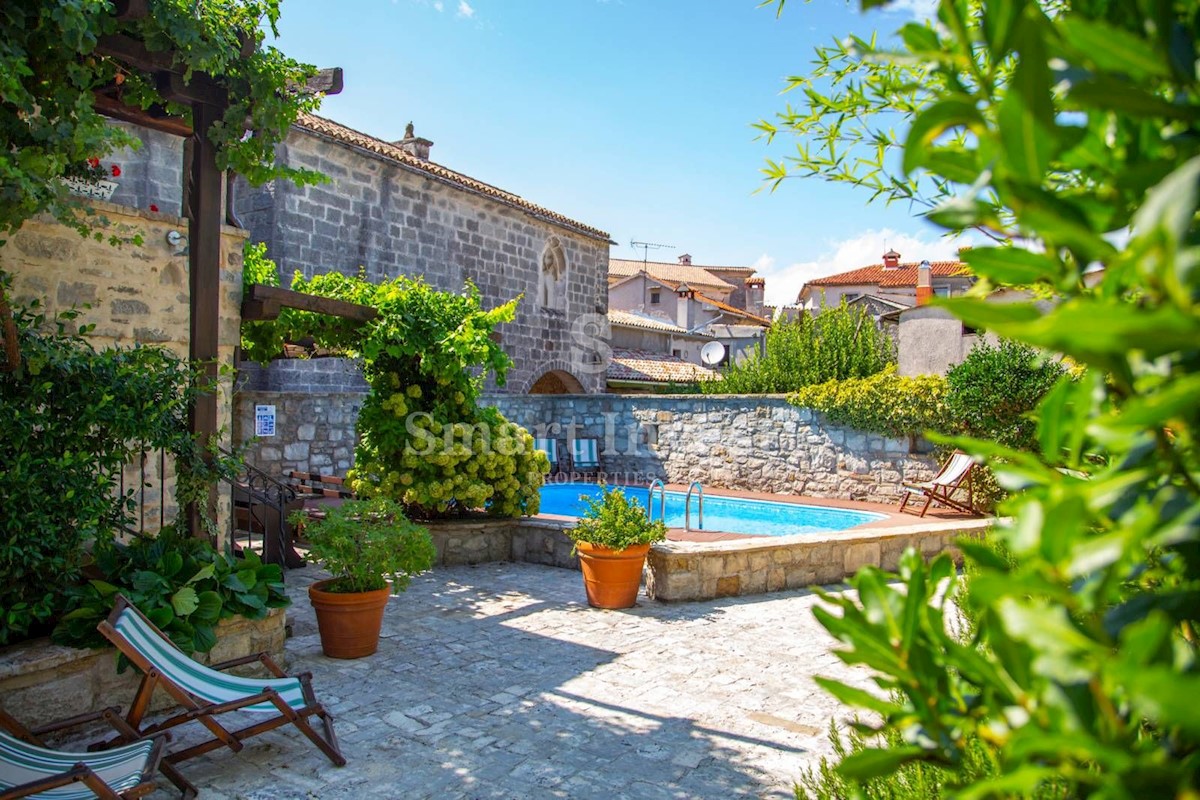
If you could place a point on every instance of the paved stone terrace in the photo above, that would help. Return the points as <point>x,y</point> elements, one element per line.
<point>498,681</point>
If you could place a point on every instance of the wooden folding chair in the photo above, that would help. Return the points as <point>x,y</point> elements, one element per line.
<point>950,477</point>
<point>30,769</point>
<point>207,692</point>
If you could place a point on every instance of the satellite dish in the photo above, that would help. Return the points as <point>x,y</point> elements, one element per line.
<point>712,353</point>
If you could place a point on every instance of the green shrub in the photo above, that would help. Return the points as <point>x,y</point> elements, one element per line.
<point>180,582</point>
<point>612,521</point>
<point>261,340</point>
<point>837,343</point>
<point>424,440</point>
<point>73,417</point>
<point>884,403</point>
<point>367,543</point>
<point>993,392</point>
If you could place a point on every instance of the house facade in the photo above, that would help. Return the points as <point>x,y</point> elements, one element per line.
<point>391,211</point>
<point>891,281</point>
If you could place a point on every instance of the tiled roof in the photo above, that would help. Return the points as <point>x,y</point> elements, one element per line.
<point>639,365</point>
<point>629,319</point>
<point>672,274</point>
<point>728,309</point>
<point>902,275</point>
<point>340,133</point>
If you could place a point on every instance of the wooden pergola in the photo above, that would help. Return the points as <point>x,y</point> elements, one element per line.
<point>208,101</point>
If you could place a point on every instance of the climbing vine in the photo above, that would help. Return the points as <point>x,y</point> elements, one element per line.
<point>424,439</point>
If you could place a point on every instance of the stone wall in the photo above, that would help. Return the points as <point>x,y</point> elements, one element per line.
<point>756,443</point>
<point>392,220</point>
<point>138,294</point>
<point>150,175</point>
<point>42,682</point>
<point>753,443</point>
<point>528,540</point>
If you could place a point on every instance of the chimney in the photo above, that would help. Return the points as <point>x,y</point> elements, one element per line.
<point>413,144</point>
<point>891,260</point>
<point>924,283</point>
<point>686,296</point>
<point>685,260</point>
<point>755,289</point>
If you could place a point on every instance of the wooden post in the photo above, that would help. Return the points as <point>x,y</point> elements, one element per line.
<point>204,285</point>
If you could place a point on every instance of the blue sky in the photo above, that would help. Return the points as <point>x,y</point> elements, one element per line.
<point>633,116</point>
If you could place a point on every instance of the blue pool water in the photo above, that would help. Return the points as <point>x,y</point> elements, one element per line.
<point>728,514</point>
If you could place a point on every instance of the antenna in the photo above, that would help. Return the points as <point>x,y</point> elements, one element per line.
<point>647,246</point>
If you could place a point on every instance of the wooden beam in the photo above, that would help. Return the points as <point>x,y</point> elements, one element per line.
<point>155,118</point>
<point>289,298</point>
<point>260,310</point>
<point>132,53</point>
<point>204,286</point>
<point>200,89</point>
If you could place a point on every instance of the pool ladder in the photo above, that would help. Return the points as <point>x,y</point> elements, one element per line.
<point>687,503</point>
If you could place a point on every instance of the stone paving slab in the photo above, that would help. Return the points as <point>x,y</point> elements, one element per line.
<point>498,681</point>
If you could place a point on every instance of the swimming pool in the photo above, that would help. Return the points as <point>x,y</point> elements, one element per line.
<point>728,514</point>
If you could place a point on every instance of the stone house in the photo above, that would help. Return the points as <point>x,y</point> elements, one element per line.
<point>649,353</point>
<point>389,210</point>
<point>696,300</point>
<point>891,281</point>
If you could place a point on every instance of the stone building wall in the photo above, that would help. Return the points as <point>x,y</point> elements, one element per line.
<point>741,442</point>
<point>151,175</point>
<point>391,219</point>
<point>138,295</point>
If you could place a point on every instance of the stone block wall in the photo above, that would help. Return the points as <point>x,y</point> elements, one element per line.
<point>755,443</point>
<point>150,175</point>
<point>392,220</point>
<point>138,294</point>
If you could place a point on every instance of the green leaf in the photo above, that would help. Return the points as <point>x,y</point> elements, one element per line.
<point>874,763</point>
<point>202,574</point>
<point>208,607</point>
<point>148,581</point>
<point>1113,49</point>
<point>951,112</point>
<point>170,563</point>
<point>185,601</point>
<point>1014,266</point>
<point>204,638</point>
<point>857,698</point>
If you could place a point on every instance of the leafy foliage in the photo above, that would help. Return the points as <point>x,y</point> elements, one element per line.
<point>884,403</point>
<point>73,418</point>
<point>49,69</point>
<point>180,582</point>
<point>1064,123</point>
<point>260,340</point>
<point>836,343</point>
<point>368,543</point>
<point>423,438</point>
<point>992,392</point>
<point>613,521</point>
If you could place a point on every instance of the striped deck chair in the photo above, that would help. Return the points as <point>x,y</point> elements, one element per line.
<point>207,692</point>
<point>550,448</point>
<point>585,455</point>
<point>948,480</point>
<point>30,769</point>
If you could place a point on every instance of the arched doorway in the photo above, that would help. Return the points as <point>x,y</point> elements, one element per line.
<point>557,381</point>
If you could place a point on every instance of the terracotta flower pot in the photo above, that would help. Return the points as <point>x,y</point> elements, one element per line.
<point>349,622</point>
<point>612,577</point>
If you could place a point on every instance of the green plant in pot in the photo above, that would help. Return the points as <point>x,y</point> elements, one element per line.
<point>372,551</point>
<point>612,540</point>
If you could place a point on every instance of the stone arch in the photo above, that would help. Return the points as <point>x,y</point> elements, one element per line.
<point>555,381</point>
<point>552,276</point>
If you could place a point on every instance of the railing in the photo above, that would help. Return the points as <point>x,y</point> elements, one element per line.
<point>261,505</point>
<point>687,506</point>
<point>662,503</point>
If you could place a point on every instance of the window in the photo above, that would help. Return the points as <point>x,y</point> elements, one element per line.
<point>848,296</point>
<point>941,291</point>
<point>655,297</point>
<point>677,353</point>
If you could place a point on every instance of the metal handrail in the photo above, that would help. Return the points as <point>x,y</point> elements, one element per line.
<point>662,503</point>
<point>687,506</point>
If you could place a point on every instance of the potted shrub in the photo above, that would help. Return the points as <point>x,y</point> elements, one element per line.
<point>612,539</point>
<point>373,550</point>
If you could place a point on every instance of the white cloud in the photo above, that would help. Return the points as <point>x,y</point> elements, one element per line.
<point>921,9</point>
<point>439,6</point>
<point>785,280</point>
<point>464,9</point>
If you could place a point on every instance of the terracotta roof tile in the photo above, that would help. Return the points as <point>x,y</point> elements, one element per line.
<point>672,274</point>
<point>340,133</point>
<point>617,317</point>
<point>639,365</point>
<point>903,275</point>
<point>740,312</point>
